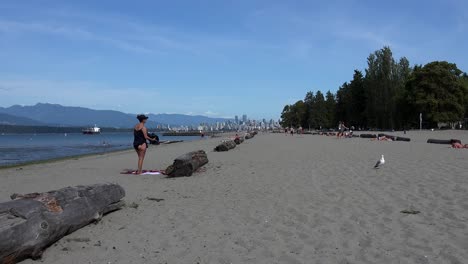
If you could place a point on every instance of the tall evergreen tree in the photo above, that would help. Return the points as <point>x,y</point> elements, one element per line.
<point>356,104</point>
<point>464,81</point>
<point>319,111</point>
<point>309,103</point>
<point>330,109</point>
<point>384,88</point>
<point>343,103</point>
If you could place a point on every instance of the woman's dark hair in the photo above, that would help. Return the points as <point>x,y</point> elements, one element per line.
<point>141,117</point>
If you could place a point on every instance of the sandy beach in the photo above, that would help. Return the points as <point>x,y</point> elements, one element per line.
<point>273,199</point>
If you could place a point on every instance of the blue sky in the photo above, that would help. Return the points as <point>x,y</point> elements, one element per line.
<point>217,58</point>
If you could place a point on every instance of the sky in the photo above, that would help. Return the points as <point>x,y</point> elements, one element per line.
<point>215,58</point>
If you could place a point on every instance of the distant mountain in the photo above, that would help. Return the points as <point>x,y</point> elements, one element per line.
<point>6,119</point>
<point>55,114</point>
<point>58,115</point>
<point>182,120</point>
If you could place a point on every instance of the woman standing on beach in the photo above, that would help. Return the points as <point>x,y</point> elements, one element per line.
<point>140,135</point>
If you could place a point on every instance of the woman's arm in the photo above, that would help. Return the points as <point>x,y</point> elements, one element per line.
<point>145,133</point>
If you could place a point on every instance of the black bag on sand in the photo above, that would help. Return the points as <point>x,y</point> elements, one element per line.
<point>153,135</point>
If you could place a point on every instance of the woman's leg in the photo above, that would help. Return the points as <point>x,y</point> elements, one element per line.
<point>141,157</point>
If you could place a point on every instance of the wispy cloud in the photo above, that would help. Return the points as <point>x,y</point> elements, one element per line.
<point>74,93</point>
<point>365,35</point>
<point>125,33</point>
<point>72,32</point>
<point>302,34</point>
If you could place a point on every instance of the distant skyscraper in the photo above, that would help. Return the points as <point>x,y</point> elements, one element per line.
<point>237,120</point>
<point>244,118</point>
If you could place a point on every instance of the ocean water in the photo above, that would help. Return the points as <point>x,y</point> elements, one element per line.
<point>23,148</point>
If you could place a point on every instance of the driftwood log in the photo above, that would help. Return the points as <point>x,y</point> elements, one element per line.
<point>32,222</point>
<point>187,164</point>
<point>442,141</point>
<point>239,140</point>
<point>395,138</point>
<point>368,136</point>
<point>226,146</point>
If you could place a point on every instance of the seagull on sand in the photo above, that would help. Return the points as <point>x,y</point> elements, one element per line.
<point>380,162</point>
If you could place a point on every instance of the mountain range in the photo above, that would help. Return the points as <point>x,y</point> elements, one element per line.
<point>6,119</point>
<point>58,115</point>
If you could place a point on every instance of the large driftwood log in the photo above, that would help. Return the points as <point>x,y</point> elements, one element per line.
<point>32,222</point>
<point>226,145</point>
<point>395,138</point>
<point>442,141</point>
<point>187,164</point>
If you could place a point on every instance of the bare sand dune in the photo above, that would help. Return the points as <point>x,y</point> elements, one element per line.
<point>273,199</point>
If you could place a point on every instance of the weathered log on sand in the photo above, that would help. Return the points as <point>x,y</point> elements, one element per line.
<point>239,140</point>
<point>394,138</point>
<point>32,222</point>
<point>368,136</point>
<point>249,136</point>
<point>442,141</point>
<point>225,146</point>
<point>187,164</point>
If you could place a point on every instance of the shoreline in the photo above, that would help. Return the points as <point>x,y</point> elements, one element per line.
<point>73,157</point>
<point>53,160</point>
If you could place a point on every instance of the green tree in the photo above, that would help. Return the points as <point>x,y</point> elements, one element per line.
<point>356,101</point>
<point>300,114</point>
<point>319,113</point>
<point>343,104</point>
<point>293,115</point>
<point>330,109</point>
<point>437,90</point>
<point>286,116</point>
<point>400,107</point>
<point>464,81</point>
<point>309,103</point>
<point>384,88</point>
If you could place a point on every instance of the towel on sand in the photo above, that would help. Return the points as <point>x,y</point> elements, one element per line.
<point>143,172</point>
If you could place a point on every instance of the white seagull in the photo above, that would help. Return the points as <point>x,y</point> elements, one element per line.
<point>380,162</point>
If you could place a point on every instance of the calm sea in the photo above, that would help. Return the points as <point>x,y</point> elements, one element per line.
<point>22,148</point>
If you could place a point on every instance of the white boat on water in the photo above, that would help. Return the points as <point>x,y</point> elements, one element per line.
<point>91,130</point>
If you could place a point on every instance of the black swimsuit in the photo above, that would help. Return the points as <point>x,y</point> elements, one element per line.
<point>138,139</point>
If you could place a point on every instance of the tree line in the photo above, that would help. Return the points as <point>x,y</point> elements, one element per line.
<point>390,94</point>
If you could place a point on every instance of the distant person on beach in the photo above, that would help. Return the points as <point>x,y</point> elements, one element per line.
<point>140,135</point>
<point>341,129</point>
<point>351,130</point>
<point>292,131</point>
